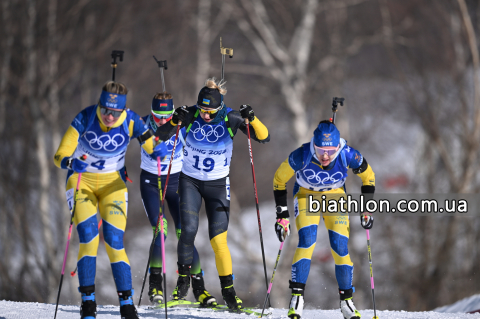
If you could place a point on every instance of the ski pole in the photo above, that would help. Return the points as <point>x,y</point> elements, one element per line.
<point>68,238</point>
<point>256,203</point>
<point>162,238</point>
<point>75,271</point>
<point>271,281</point>
<point>158,221</point>
<point>116,54</point>
<point>371,274</point>
<point>162,65</point>
<point>224,51</point>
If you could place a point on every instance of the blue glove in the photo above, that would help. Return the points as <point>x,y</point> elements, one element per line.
<point>160,151</point>
<point>77,165</point>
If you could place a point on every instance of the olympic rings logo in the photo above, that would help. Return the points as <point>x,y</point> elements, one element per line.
<point>322,178</point>
<point>107,142</point>
<point>170,142</point>
<point>208,132</point>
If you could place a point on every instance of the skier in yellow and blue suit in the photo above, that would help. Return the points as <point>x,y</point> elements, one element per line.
<point>320,167</point>
<point>103,132</point>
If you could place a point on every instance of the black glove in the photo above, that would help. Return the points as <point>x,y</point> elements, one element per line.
<point>366,220</point>
<point>180,114</point>
<point>246,112</point>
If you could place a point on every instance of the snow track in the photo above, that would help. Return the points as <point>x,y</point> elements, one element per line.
<point>25,310</point>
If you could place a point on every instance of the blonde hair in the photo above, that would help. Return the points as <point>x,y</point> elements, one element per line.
<point>163,96</point>
<point>212,83</point>
<point>115,87</point>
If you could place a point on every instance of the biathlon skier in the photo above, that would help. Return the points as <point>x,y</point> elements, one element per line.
<point>211,127</point>
<point>161,112</point>
<point>102,132</point>
<point>320,167</point>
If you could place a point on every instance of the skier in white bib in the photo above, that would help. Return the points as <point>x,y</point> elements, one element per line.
<point>210,128</point>
<point>161,113</point>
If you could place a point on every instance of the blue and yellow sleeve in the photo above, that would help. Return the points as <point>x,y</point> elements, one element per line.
<point>69,142</point>
<point>67,147</point>
<point>287,169</point>
<point>284,173</point>
<point>137,128</point>
<point>360,167</point>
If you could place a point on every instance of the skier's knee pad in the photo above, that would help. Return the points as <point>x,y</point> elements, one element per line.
<point>88,237</point>
<point>87,229</point>
<point>338,243</point>
<point>114,243</point>
<point>307,236</point>
<point>113,236</point>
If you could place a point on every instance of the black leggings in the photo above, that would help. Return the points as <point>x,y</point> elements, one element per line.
<point>217,206</point>
<point>151,202</point>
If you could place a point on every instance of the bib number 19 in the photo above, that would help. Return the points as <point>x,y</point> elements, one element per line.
<point>208,163</point>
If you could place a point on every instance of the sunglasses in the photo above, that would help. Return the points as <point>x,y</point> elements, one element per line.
<point>322,151</point>
<point>162,114</point>
<point>210,111</point>
<point>107,112</point>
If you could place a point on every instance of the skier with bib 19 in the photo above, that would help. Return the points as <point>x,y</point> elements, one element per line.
<point>211,127</point>
<point>320,167</point>
<point>161,112</point>
<point>102,132</point>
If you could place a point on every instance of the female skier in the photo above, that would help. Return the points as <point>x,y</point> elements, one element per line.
<point>161,112</point>
<point>320,167</point>
<point>102,132</point>
<point>211,127</point>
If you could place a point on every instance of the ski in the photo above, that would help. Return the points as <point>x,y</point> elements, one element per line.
<point>248,310</point>
<point>197,306</point>
<point>177,303</point>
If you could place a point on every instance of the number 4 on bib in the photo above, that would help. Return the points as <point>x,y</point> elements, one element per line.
<point>99,164</point>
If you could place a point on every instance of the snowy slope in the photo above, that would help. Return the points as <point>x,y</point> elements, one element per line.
<point>23,310</point>
<point>468,304</point>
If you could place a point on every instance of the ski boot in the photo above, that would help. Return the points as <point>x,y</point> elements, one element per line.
<point>200,293</point>
<point>88,309</point>
<point>127,308</point>
<point>297,302</point>
<point>183,283</point>
<point>155,291</point>
<point>228,293</point>
<point>346,305</point>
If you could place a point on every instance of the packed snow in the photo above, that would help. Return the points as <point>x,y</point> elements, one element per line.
<point>25,310</point>
<point>469,304</point>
